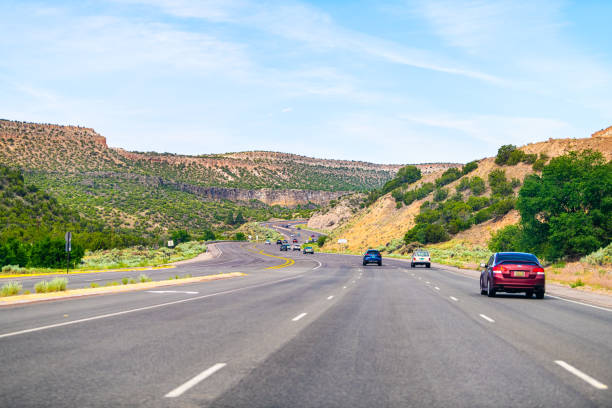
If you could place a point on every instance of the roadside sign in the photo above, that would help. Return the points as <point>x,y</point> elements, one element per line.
<point>170,244</point>
<point>342,241</point>
<point>68,239</point>
<point>250,237</point>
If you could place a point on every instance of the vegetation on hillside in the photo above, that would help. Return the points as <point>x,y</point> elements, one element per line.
<point>566,212</point>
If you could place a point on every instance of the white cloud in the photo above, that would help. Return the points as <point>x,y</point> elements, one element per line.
<point>286,110</point>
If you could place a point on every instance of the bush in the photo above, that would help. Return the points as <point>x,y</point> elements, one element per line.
<point>55,285</point>
<point>41,287</point>
<point>440,194</point>
<point>538,165</point>
<point>321,240</point>
<point>499,184</point>
<point>463,185</point>
<point>180,236</point>
<point>515,183</point>
<point>208,235</point>
<point>144,278</point>
<point>240,236</point>
<point>507,239</point>
<point>12,269</point>
<point>448,177</point>
<point>10,289</point>
<point>51,253</point>
<point>469,167</point>
<point>405,175</point>
<point>426,234</point>
<point>477,185</point>
<point>603,256</point>
<point>503,154</point>
<point>476,203</point>
<point>502,207</point>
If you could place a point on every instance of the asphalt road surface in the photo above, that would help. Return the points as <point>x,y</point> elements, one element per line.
<point>322,332</point>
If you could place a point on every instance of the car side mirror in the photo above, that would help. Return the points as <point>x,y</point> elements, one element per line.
<point>483,265</point>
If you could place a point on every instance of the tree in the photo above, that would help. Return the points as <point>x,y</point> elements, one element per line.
<point>229,220</point>
<point>499,184</point>
<point>567,211</point>
<point>469,167</point>
<point>507,239</point>
<point>477,185</point>
<point>503,154</point>
<point>405,175</point>
<point>180,236</point>
<point>208,235</point>
<point>426,233</point>
<point>240,236</point>
<point>321,240</point>
<point>239,219</point>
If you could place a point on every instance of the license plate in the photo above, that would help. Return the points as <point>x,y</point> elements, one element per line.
<point>519,274</point>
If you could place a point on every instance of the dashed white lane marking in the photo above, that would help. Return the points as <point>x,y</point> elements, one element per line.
<point>344,287</point>
<point>353,282</point>
<point>140,309</point>
<point>427,282</point>
<point>454,298</point>
<point>582,375</point>
<point>330,297</point>
<point>436,288</point>
<point>419,278</point>
<point>173,291</point>
<point>298,317</point>
<point>178,391</point>
<point>487,318</point>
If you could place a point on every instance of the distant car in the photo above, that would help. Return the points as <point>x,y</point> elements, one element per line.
<point>268,242</point>
<point>296,247</point>
<point>299,228</point>
<point>295,240</point>
<point>284,247</point>
<point>287,226</point>
<point>308,250</point>
<point>311,240</point>
<point>420,257</point>
<point>279,242</point>
<point>372,256</point>
<point>285,241</point>
<point>513,272</point>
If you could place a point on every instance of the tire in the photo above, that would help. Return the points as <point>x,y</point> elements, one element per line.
<point>529,294</point>
<point>490,291</point>
<point>364,264</point>
<point>428,265</point>
<point>412,265</point>
<point>380,263</point>
<point>539,294</point>
<point>482,291</point>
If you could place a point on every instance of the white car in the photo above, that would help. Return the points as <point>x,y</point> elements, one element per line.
<point>420,257</point>
<point>268,242</point>
<point>296,247</point>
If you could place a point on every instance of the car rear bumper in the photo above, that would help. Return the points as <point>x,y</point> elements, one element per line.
<point>518,285</point>
<point>421,263</point>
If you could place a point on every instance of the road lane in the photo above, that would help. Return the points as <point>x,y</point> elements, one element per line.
<point>367,336</point>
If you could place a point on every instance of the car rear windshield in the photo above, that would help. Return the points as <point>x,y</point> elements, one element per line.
<point>517,258</point>
<point>373,252</point>
<point>421,253</point>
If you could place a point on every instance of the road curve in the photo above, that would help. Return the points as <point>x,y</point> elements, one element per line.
<point>322,332</point>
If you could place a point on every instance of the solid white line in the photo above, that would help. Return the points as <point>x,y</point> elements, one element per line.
<point>298,317</point>
<point>582,375</point>
<point>330,297</point>
<point>140,309</point>
<point>178,391</point>
<point>580,303</point>
<point>454,298</point>
<point>436,288</point>
<point>317,266</point>
<point>487,318</point>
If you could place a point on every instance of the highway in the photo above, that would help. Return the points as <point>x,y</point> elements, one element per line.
<point>323,331</point>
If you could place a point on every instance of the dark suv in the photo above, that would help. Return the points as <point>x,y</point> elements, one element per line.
<point>372,256</point>
<point>513,272</point>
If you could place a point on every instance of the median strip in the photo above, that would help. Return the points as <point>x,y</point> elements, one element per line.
<point>78,272</point>
<point>77,293</point>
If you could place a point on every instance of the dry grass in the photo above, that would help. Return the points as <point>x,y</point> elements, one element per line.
<point>597,277</point>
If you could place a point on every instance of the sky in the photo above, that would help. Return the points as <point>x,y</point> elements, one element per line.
<point>386,82</point>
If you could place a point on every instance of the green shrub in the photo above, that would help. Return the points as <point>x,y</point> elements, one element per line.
<point>440,194</point>
<point>321,240</point>
<point>125,281</point>
<point>208,235</point>
<point>463,185</point>
<point>41,287</point>
<point>530,158</point>
<point>405,175</point>
<point>503,154</point>
<point>448,177</point>
<point>12,269</point>
<point>499,184</point>
<point>515,157</point>
<point>57,285</point>
<point>538,165</point>
<point>576,284</point>
<point>144,278</point>
<point>477,185</point>
<point>180,236</point>
<point>603,256</point>
<point>240,236</point>
<point>426,233</point>
<point>515,182</point>
<point>507,239</point>
<point>476,203</point>
<point>94,285</point>
<point>469,167</point>
<point>10,289</point>
<point>51,253</point>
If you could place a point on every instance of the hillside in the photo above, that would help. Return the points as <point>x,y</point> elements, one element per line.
<point>383,224</point>
<point>79,150</point>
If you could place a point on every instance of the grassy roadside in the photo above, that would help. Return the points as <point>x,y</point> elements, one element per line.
<point>133,257</point>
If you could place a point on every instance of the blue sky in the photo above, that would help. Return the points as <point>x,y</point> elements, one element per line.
<point>388,82</point>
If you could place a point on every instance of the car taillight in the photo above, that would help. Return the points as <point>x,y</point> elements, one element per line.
<point>497,269</point>
<point>414,259</point>
<point>539,271</point>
